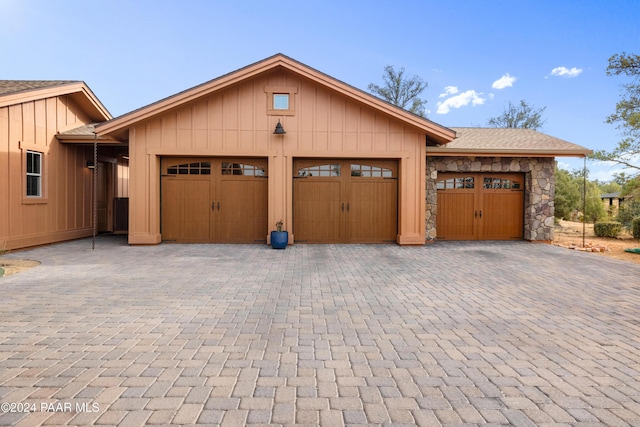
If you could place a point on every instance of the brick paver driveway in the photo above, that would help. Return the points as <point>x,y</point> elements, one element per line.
<point>450,333</point>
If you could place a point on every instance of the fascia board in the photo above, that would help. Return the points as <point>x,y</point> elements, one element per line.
<point>180,98</point>
<point>370,100</point>
<point>224,81</point>
<point>444,152</point>
<point>76,139</point>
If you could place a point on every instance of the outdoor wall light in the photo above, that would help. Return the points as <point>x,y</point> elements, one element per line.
<point>279,129</point>
<point>91,165</point>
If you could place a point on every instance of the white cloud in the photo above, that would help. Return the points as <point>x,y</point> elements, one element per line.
<point>460,100</point>
<point>504,81</point>
<point>448,90</point>
<point>566,72</point>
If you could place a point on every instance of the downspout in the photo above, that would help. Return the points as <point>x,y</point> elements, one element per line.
<point>426,178</point>
<point>95,189</point>
<point>584,201</point>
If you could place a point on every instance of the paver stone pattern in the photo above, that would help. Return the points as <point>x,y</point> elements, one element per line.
<point>452,333</point>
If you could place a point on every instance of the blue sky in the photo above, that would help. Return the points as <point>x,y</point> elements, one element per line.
<point>476,55</point>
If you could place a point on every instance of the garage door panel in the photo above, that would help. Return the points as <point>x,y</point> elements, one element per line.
<point>172,209</point>
<point>456,215</point>
<point>373,210</point>
<point>499,220</point>
<point>185,206</point>
<point>317,210</point>
<point>243,211</point>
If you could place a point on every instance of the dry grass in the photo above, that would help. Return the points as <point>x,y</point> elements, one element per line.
<point>568,233</point>
<point>13,266</point>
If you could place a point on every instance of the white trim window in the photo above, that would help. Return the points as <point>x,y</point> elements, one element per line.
<point>34,174</point>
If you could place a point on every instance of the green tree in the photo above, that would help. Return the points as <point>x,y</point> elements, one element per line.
<point>519,116</point>
<point>627,115</point>
<point>594,208</point>
<point>567,196</point>
<point>401,90</point>
<point>610,187</point>
<point>630,208</point>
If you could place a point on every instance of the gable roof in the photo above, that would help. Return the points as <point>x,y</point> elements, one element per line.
<point>120,124</point>
<point>507,142</point>
<point>14,92</point>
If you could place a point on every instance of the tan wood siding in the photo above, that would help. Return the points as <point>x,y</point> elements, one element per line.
<point>234,122</point>
<point>63,211</point>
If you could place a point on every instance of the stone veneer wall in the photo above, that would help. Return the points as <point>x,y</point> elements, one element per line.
<point>539,188</point>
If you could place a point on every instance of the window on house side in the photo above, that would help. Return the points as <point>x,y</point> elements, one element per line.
<point>34,174</point>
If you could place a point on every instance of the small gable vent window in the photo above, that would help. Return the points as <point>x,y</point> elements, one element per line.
<point>281,100</point>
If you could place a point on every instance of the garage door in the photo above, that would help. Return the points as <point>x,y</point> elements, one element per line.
<point>480,206</point>
<point>208,200</point>
<point>345,201</point>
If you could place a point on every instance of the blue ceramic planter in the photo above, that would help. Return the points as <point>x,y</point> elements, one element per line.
<point>279,239</point>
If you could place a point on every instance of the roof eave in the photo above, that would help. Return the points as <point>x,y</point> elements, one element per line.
<point>87,139</point>
<point>498,152</point>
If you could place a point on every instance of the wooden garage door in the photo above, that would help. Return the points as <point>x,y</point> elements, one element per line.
<point>480,206</point>
<point>345,201</point>
<point>208,200</point>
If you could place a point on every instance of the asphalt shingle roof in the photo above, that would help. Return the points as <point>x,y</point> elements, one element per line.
<point>8,87</point>
<point>508,139</point>
<point>81,130</point>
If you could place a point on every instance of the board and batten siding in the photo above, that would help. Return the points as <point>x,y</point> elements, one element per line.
<point>63,211</point>
<point>235,122</point>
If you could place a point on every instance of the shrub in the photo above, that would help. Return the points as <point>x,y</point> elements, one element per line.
<point>628,211</point>
<point>607,229</point>
<point>635,227</point>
